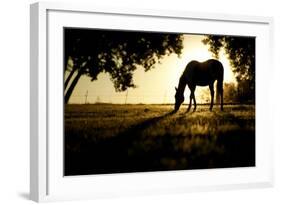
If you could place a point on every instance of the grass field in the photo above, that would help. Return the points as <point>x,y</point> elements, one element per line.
<point>130,138</point>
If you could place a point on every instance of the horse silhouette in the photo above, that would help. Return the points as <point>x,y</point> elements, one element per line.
<point>201,74</point>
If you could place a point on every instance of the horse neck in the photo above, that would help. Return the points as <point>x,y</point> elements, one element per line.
<point>182,85</point>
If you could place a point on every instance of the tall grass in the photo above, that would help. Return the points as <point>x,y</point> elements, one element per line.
<point>130,138</point>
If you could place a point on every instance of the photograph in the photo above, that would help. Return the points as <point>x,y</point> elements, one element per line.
<point>151,101</point>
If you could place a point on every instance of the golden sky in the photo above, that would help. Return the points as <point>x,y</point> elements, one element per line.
<point>154,86</point>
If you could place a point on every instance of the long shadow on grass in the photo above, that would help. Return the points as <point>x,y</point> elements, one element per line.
<point>228,142</point>
<point>132,150</point>
<point>238,144</point>
<point>108,155</point>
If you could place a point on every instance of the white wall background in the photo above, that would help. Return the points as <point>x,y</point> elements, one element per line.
<point>14,102</point>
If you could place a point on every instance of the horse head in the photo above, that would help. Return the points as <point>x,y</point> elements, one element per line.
<point>179,98</point>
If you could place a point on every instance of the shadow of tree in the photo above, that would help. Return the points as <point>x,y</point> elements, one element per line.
<point>108,155</point>
<point>133,150</point>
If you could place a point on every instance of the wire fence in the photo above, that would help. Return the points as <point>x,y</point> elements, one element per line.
<point>127,97</point>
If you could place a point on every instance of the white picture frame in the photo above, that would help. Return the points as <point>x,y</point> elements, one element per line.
<point>47,182</point>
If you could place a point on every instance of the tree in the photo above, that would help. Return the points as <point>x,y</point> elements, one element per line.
<point>118,53</point>
<point>230,94</point>
<point>241,54</point>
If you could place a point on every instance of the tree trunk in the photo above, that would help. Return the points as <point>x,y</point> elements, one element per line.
<point>72,86</point>
<point>68,78</point>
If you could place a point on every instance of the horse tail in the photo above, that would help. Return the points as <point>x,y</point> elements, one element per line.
<point>219,91</point>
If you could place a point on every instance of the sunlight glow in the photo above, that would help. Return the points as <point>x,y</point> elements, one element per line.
<point>155,86</point>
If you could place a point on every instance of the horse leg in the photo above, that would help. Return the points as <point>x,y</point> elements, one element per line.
<point>211,86</point>
<point>193,96</point>
<point>220,91</point>
<point>190,102</point>
<point>194,103</point>
<point>221,99</point>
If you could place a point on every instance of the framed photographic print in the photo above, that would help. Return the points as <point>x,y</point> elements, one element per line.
<point>128,101</point>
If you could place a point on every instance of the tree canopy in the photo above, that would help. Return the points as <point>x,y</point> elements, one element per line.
<point>118,53</point>
<point>241,54</point>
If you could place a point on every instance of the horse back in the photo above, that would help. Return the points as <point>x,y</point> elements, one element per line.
<point>203,73</point>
